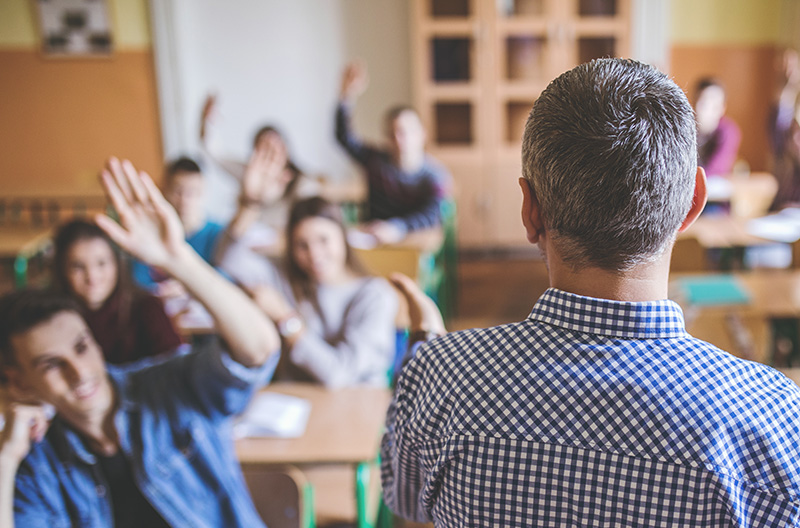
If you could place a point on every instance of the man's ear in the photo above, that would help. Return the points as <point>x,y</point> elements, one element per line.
<point>699,200</point>
<point>531,213</point>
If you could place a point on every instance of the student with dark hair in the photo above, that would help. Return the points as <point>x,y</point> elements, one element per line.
<point>184,187</point>
<point>149,446</point>
<point>290,185</point>
<point>337,322</point>
<point>405,186</point>
<point>718,136</point>
<point>598,409</point>
<point>127,323</point>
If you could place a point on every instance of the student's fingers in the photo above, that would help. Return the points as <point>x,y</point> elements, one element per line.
<point>407,287</point>
<point>114,230</point>
<point>135,181</point>
<point>116,195</point>
<point>161,206</point>
<point>114,167</point>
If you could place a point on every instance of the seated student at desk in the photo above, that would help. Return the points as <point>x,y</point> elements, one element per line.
<point>185,189</point>
<point>130,447</point>
<point>405,186</point>
<point>336,322</point>
<point>127,322</point>
<point>718,136</point>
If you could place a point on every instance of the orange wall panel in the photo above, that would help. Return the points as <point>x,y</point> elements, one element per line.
<point>748,73</point>
<point>61,118</point>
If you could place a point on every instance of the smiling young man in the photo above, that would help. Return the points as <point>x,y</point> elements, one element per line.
<point>149,446</point>
<point>598,409</point>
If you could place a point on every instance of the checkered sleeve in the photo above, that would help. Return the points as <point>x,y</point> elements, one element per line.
<point>402,474</point>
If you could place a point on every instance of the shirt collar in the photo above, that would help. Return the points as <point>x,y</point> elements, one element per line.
<point>625,320</point>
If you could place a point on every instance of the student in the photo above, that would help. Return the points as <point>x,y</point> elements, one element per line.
<point>405,185</point>
<point>598,409</point>
<point>337,322</point>
<point>784,128</point>
<point>291,183</point>
<point>718,136</point>
<point>130,447</point>
<point>185,189</point>
<point>127,323</point>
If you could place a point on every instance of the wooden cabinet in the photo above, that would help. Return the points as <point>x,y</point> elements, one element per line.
<point>478,66</point>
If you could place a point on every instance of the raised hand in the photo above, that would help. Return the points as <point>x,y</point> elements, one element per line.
<point>264,180</point>
<point>354,81</point>
<point>422,311</point>
<point>148,228</point>
<point>24,424</point>
<point>209,107</point>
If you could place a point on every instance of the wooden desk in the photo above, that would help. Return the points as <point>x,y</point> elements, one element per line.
<point>744,329</point>
<point>344,427</point>
<point>343,430</point>
<point>15,239</point>
<point>723,231</point>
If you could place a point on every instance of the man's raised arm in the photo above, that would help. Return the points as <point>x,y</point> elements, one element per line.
<point>151,231</point>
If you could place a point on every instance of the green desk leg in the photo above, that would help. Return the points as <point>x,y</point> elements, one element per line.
<point>21,271</point>
<point>362,490</point>
<point>309,516</point>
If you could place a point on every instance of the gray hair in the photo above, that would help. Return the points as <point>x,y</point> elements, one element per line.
<point>610,150</point>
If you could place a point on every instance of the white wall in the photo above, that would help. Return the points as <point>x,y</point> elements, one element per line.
<point>276,61</point>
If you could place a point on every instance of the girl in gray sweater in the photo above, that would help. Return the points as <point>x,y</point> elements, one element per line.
<point>336,322</point>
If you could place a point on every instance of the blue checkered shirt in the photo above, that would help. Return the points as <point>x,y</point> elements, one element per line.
<point>591,413</point>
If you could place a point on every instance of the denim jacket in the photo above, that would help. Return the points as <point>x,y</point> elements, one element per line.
<point>174,425</point>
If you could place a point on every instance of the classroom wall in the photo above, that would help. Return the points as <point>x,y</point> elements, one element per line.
<point>740,42</point>
<point>62,117</point>
<point>280,62</point>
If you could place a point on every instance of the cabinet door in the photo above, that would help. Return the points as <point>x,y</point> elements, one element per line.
<point>473,203</point>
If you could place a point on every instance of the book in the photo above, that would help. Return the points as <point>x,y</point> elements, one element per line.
<point>709,290</point>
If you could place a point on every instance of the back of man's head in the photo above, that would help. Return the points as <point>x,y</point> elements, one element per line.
<point>22,310</point>
<point>610,152</point>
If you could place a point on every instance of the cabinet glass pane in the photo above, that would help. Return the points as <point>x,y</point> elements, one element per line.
<point>512,8</point>
<point>516,115</point>
<point>453,123</point>
<point>451,59</point>
<point>525,56</point>
<point>588,8</point>
<point>450,8</point>
<point>595,48</point>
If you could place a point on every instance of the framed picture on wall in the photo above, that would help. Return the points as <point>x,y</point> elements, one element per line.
<point>74,28</point>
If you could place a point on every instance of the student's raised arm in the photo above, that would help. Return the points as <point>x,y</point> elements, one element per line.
<point>354,83</point>
<point>151,231</point>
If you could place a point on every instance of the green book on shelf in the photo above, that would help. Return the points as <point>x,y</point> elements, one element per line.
<point>714,289</point>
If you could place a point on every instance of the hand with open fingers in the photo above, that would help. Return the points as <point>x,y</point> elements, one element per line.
<point>354,81</point>
<point>148,228</point>
<point>422,311</point>
<point>263,181</point>
<point>24,424</point>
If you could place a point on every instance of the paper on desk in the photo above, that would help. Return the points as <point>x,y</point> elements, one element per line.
<point>361,240</point>
<point>780,227</point>
<point>273,414</point>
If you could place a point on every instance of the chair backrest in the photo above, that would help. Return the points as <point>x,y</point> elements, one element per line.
<point>282,496</point>
<point>688,255</point>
